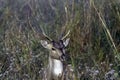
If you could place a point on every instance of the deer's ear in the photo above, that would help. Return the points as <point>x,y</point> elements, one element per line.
<point>66,42</point>
<point>45,44</point>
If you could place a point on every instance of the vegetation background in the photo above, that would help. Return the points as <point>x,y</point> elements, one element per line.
<point>94,49</point>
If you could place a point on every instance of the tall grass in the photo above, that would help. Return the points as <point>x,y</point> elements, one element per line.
<point>94,49</point>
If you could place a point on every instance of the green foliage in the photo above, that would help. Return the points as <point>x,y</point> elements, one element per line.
<point>94,47</point>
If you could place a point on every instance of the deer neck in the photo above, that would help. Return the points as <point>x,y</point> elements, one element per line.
<point>56,67</point>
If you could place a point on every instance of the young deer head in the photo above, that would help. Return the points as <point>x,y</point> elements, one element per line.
<point>56,56</point>
<point>56,48</point>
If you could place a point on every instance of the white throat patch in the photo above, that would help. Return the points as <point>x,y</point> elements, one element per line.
<point>58,67</point>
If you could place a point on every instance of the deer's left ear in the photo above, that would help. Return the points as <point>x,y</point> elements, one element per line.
<point>66,42</point>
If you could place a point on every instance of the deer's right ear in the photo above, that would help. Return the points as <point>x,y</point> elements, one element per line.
<point>45,44</point>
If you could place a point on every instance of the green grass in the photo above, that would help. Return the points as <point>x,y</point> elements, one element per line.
<point>94,49</point>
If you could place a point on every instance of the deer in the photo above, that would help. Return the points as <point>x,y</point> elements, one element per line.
<point>57,67</point>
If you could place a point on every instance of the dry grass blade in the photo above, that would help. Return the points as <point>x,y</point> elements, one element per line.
<point>107,32</point>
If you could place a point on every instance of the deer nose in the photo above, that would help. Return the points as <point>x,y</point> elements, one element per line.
<point>63,57</point>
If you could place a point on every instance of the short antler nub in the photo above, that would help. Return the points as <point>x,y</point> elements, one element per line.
<point>41,34</point>
<point>65,35</point>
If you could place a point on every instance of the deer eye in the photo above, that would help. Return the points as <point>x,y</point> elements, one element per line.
<point>53,49</point>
